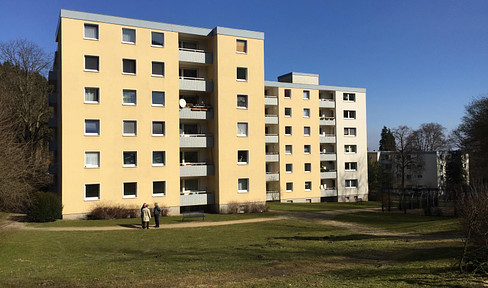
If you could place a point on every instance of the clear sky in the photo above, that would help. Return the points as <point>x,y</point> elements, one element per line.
<point>420,60</point>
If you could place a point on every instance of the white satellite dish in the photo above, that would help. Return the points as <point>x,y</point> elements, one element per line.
<point>182,103</point>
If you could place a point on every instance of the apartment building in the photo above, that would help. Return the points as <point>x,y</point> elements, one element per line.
<point>154,112</point>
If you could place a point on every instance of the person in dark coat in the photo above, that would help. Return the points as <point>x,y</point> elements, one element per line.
<point>156,212</point>
<point>142,216</point>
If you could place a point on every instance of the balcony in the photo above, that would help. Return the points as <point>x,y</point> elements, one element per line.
<point>326,103</point>
<point>196,169</point>
<point>272,157</point>
<point>327,121</point>
<point>195,84</point>
<point>272,176</point>
<point>196,141</point>
<point>270,119</point>
<point>53,99</point>
<point>195,56</point>
<point>271,138</point>
<point>197,112</point>
<point>327,138</point>
<point>272,195</point>
<point>330,156</point>
<point>328,192</point>
<point>271,100</point>
<point>328,175</point>
<point>194,198</point>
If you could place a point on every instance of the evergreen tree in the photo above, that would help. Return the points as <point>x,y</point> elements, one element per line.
<point>387,142</point>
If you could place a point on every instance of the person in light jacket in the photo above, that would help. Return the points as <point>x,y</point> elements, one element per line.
<point>146,214</point>
<point>157,212</point>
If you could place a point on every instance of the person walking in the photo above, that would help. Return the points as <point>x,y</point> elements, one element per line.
<point>156,212</point>
<point>142,216</point>
<point>146,216</point>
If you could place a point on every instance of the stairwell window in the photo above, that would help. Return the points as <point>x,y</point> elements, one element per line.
<point>242,157</point>
<point>92,127</point>
<point>307,149</point>
<point>350,148</point>
<point>242,102</point>
<point>308,167</point>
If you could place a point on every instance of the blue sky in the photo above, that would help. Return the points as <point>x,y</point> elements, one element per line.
<point>420,60</point>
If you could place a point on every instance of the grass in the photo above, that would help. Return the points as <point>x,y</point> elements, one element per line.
<point>283,253</point>
<point>323,206</point>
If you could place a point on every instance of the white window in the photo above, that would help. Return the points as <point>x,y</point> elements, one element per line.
<point>159,188</point>
<point>130,159</point>
<point>130,190</point>
<point>350,131</point>
<point>307,149</point>
<point>351,166</point>
<point>92,127</point>
<point>288,149</point>
<point>241,46</point>
<point>242,157</point>
<point>289,168</point>
<point>128,36</point>
<point>92,63</point>
<point>157,69</point>
<point>158,158</point>
<point>241,74</point>
<point>351,183</point>
<point>243,185</point>
<point>129,66</point>
<point>287,93</point>
<point>92,95</point>
<point>91,31</point>
<point>158,128</point>
<point>242,101</point>
<point>157,39</point>
<point>158,98</point>
<point>308,167</point>
<point>350,148</point>
<point>350,97</point>
<point>289,187</point>
<point>349,114</point>
<point>308,185</point>
<point>306,94</point>
<point>129,97</point>
<point>92,159</point>
<point>242,129</point>
<point>306,131</point>
<point>306,113</point>
<point>288,130</point>
<point>129,128</point>
<point>287,112</point>
<point>92,192</point>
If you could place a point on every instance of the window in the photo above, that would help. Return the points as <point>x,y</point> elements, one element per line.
<point>306,113</point>
<point>129,97</point>
<point>242,129</point>
<point>92,159</point>
<point>130,159</point>
<point>91,32</point>
<point>288,130</point>
<point>288,93</point>
<point>92,127</point>
<point>351,166</point>
<point>289,187</point>
<point>308,185</point>
<point>241,46</point>
<point>92,95</point>
<point>158,69</point>
<point>158,98</point>
<point>288,149</point>
<point>351,97</point>
<point>159,188</point>
<point>306,131</point>
<point>306,94</point>
<point>307,149</point>
<point>158,128</point>
<point>243,185</point>
<point>241,74</point>
<point>128,36</point>
<point>129,128</point>
<point>92,191</point>
<point>242,157</point>
<point>157,39</point>
<point>350,131</point>
<point>129,66</point>
<point>350,148</point>
<point>352,183</point>
<point>287,112</point>
<point>158,158</point>
<point>130,190</point>
<point>308,167</point>
<point>242,101</point>
<point>92,63</point>
<point>348,114</point>
<point>289,168</point>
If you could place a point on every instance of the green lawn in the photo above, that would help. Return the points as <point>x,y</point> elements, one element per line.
<point>283,253</point>
<point>323,206</point>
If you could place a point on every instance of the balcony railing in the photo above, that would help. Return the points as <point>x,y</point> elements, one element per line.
<point>271,138</point>
<point>196,140</point>
<point>272,157</point>
<point>326,103</point>
<point>330,174</point>
<point>271,100</point>
<point>327,121</point>
<point>328,192</point>
<point>196,197</point>
<point>328,156</point>
<point>270,119</point>
<point>195,84</point>
<point>272,195</point>
<point>272,176</point>
<point>327,138</point>
<point>197,112</point>
<point>195,56</point>
<point>195,169</point>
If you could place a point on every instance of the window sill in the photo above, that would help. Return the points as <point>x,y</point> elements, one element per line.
<point>129,104</point>
<point>242,108</point>
<point>129,135</point>
<point>157,76</point>
<point>237,52</point>
<point>242,191</point>
<point>159,195</point>
<point>158,165</point>
<point>241,80</point>
<point>91,102</point>
<point>92,199</point>
<point>92,39</point>
<point>129,166</point>
<point>127,73</point>
<point>129,196</point>
<point>241,135</point>
<point>90,70</point>
<point>158,135</point>
<point>91,135</point>
<point>157,46</point>
<point>90,167</point>
<point>242,163</point>
<point>158,105</point>
<point>289,191</point>
<point>130,43</point>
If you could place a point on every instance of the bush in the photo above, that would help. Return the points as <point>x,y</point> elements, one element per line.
<point>105,212</point>
<point>45,207</point>
<point>250,207</point>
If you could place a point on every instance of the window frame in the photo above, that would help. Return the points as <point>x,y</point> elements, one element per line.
<point>307,165</point>
<point>305,132</point>
<point>93,25</point>
<point>98,63</point>
<point>247,185</point>
<point>289,110</point>
<point>135,66</point>
<point>247,129</point>
<point>91,102</point>
<point>237,74</point>
<point>347,114</point>
<point>164,99</point>
<point>353,147</point>
<point>290,149</point>
<point>98,158</point>
<point>135,36</point>
<point>305,147</point>
<point>98,127</point>
<point>350,166</point>
<point>129,134</point>
<point>347,97</point>
<point>164,188</point>
<point>163,68</point>
<point>349,130</point>
<point>309,183</point>
<point>129,103</point>
<point>350,182</point>
<point>245,46</point>
<point>287,184</point>
<point>92,198</point>
<point>285,92</point>
<point>129,196</point>
<point>163,128</point>
<point>247,157</point>
<point>289,168</point>
<point>306,94</point>
<point>163,153</point>
<point>290,132</point>
<point>157,45</point>
<point>129,165</point>
<point>306,112</point>
<point>247,101</point>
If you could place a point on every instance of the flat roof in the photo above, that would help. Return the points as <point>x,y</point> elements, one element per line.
<point>311,86</point>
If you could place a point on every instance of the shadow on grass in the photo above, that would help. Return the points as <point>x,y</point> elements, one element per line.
<point>133,226</point>
<point>332,238</point>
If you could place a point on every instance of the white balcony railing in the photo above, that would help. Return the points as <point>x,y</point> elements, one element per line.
<point>272,176</point>
<point>327,138</point>
<point>195,56</point>
<point>328,156</point>
<point>196,112</point>
<point>195,84</point>
<point>326,103</point>
<point>271,100</point>
<point>196,197</point>
<point>196,141</point>
<point>196,169</point>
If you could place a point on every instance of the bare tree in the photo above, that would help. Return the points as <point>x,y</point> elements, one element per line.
<point>25,55</point>
<point>429,137</point>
